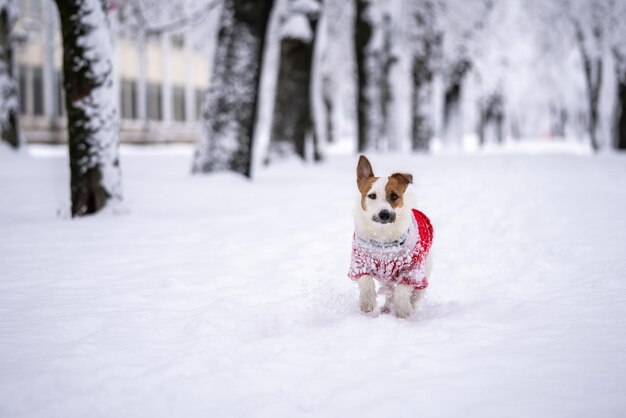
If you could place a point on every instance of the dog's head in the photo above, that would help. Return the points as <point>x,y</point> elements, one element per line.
<point>383,210</point>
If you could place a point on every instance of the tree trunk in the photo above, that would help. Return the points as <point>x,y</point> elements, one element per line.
<point>491,112</point>
<point>620,102</point>
<point>558,118</point>
<point>9,98</point>
<point>452,96</point>
<point>421,128</point>
<point>425,42</point>
<point>230,104</point>
<point>292,121</point>
<point>620,130</point>
<point>593,95</point>
<point>368,95</point>
<point>483,118</point>
<point>92,114</point>
<point>327,99</point>
<point>593,80</point>
<point>499,122</point>
<point>386,61</point>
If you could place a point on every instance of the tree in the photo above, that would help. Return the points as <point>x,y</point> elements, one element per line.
<point>230,104</point>
<point>335,67</point>
<point>9,99</point>
<point>374,60</point>
<point>591,22</point>
<point>618,49</point>
<point>425,40</point>
<point>292,121</point>
<point>620,109</point>
<point>491,111</point>
<point>593,62</point>
<point>453,81</point>
<point>92,114</point>
<point>461,23</point>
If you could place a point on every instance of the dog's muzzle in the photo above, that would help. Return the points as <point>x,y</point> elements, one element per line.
<point>384,217</point>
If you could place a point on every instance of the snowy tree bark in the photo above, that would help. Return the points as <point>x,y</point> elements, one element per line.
<point>453,95</point>
<point>592,66</point>
<point>620,102</point>
<point>230,105</point>
<point>491,112</point>
<point>369,99</point>
<point>93,119</point>
<point>9,98</point>
<point>421,129</point>
<point>558,120</point>
<point>327,99</point>
<point>292,121</point>
<point>620,131</point>
<point>374,63</point>
<point>425,42</point>
<point>386,61</point>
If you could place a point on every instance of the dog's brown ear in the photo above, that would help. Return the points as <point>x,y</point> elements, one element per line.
<point>364,169</point>
<point>405,178</point>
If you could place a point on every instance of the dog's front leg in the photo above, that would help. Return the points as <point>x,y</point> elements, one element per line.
<point>416,296</point>
<point>402,300</point>
<point>387,290</point>
<point>367,294</point>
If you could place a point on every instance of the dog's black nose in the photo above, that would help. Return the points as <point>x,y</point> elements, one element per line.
<point>384,215</point>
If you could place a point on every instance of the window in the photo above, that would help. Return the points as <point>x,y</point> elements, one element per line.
<point>178,40</point>
<point>154,38</point>
<point>128,99</point>
<point>178,97</point>
<point>154,102</point>
<point>37,91</point>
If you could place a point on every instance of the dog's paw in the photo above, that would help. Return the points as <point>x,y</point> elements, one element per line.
<point>403,311</point>
<point>385,310</point>
<point>402,301</point>
<point>367,306</point>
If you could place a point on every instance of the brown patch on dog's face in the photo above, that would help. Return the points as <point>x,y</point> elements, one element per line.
<point>395,188</point>
<point>364,178</point>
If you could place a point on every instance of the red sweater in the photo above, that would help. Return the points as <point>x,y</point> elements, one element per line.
<point>401,262</point>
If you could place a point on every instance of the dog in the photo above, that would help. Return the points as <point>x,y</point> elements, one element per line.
<point>391,242</point>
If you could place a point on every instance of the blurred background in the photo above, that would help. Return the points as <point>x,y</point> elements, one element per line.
<point>411,74</point>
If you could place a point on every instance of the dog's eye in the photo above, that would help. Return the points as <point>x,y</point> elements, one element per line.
<point>393,196</point>
<point>372,196</point>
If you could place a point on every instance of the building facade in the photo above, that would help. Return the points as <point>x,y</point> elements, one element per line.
<point>160,81</point>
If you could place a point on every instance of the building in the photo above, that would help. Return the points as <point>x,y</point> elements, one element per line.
<point>160,79</point>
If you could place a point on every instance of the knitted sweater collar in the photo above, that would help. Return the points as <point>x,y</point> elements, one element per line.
<point>409,238</point>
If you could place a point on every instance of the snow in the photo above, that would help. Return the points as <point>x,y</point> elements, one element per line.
<point>217,296</point>
<point>297,27</point>
<point>309,7</point>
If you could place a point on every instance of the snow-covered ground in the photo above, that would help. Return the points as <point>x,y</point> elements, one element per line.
<point>216,296</point>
